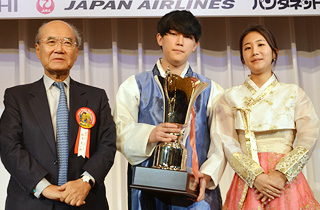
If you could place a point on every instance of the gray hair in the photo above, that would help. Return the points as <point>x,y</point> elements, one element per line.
<point>75,30</point>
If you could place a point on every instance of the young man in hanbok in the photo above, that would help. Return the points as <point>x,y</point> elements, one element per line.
<point>269,130</point>
<point>139,115</point>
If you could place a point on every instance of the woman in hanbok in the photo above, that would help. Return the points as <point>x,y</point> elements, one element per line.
<point>269,130</point>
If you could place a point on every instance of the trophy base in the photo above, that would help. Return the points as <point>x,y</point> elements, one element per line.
<point>171,187</point>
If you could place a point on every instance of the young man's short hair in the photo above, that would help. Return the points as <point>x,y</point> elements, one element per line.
<point>181,21</point>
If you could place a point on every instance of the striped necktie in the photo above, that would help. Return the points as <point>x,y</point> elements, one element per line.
<point>62,134</point>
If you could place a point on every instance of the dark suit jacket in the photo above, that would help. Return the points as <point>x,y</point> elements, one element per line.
<point>28,148</point>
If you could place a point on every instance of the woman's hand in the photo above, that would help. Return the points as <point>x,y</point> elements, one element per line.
<point>267,187</point>
<point>279,179</point>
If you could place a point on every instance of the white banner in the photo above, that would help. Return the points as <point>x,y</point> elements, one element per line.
<point>10,9</point>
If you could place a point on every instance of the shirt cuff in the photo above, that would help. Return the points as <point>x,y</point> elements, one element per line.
<point>91,177</point>
<point>43,184</point>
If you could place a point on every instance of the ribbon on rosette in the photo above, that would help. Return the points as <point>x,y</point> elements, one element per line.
<point>86,120</point>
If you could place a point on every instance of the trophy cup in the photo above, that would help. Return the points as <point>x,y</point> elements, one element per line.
<point>168,179</point>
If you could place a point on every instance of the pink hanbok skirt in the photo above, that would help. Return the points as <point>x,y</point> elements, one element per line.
<point>296,196</point>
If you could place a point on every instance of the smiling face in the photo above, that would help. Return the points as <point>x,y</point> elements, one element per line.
<point>58,59</point>
<point>257,54</point>
<point>176,48</point>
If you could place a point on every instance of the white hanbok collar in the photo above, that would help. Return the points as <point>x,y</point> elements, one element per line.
<point>255,90</point>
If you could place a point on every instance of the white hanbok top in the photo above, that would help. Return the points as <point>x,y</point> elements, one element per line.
<point>277,118</point>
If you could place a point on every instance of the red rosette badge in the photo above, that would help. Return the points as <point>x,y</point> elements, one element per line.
<point>86,120</point>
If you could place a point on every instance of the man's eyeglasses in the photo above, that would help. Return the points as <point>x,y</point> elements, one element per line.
<point>67,43</point>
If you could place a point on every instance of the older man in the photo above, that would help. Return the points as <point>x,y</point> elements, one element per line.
<point>57,135</point>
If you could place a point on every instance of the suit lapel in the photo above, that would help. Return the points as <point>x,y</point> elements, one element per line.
<point>77,100</point>
<point>40,108</point>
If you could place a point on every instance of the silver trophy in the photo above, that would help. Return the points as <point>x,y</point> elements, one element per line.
<point>179,96</point>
